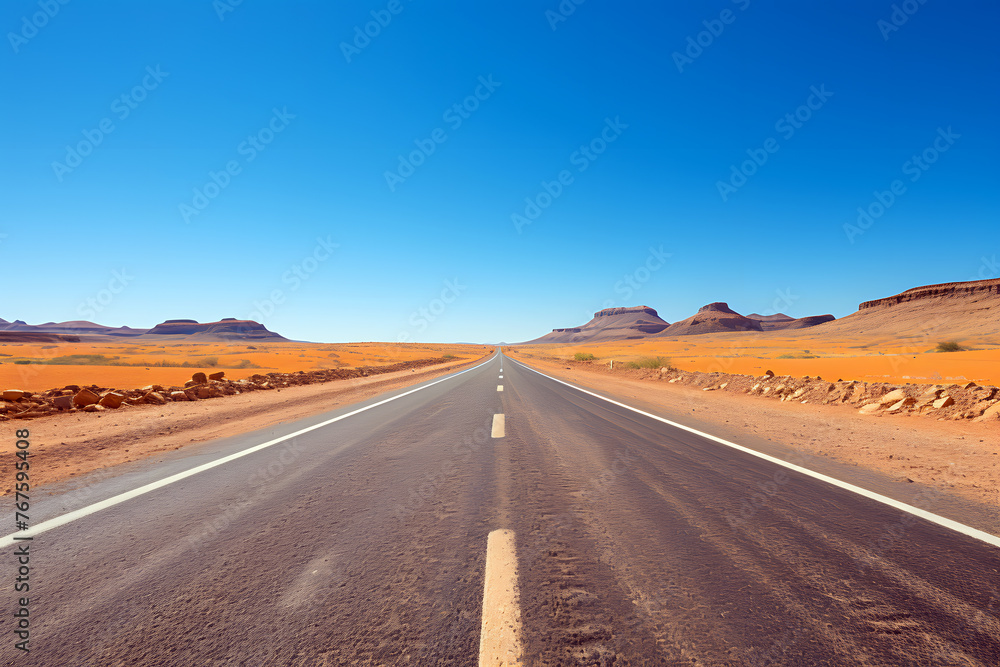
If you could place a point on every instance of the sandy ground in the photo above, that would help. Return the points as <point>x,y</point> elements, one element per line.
<point>130,364</point>
<point>869,358</point>
<point>71,445</point>
<point>958,456</point>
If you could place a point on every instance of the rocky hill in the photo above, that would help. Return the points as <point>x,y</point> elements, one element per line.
<point>780,321</point>
<point>949,310</point>
<point>610,324</point>
<point>76,327</point>
<point>81,330</point>
<point>223,330</point>
<point>716,317</point>
<point>643,322</point>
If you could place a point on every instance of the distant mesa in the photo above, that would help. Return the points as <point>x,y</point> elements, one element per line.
<point>77,330</point>
<point>610,324</point>
<point>642,322</point>
<point>79,327</point>
<point>935,312</point>
<point>780,321</point>
<point>223,330</point>
<point>36,337</point>
<point>777,317</point>
<point>929,314</point>
<point>716,317</point>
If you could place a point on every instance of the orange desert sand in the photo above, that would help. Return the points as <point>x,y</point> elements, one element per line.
<point>75,443</point>
<point>134,364</point>
<point>866,358</point>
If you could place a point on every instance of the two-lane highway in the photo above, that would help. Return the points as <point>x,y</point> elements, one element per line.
<point>630,542</point>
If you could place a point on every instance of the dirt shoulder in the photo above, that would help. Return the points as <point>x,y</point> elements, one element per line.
<point>75,444</point>
<point>960,457</point>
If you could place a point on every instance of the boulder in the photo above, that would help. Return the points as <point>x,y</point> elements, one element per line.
<point>769,374</point>
<point>14,394</point>
<point>178,396</point>
<point>203,392</point>
<point>152,387</point>
<point>893,396</point>
<point>217,376</point>
<point>63,402</point>
<point>990,414</point>
<point>901,405</point>
<point>943,402</point>
<point>199,378</point>
<point>94,407</point>
<point>985,393</point>
<point>85,397</point>
<point>153,398</point>
<point>969,385</point>
<point>112,399</point>
<point>869,409</point>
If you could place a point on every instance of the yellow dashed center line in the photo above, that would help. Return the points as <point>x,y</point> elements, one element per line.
<point>500,635</point>
<point>498,426</point>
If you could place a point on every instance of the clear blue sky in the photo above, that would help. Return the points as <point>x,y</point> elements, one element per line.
<point>310,118</point>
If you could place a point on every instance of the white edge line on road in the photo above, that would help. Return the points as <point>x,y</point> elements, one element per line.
<point>8,540</point>
<point>878,497</point>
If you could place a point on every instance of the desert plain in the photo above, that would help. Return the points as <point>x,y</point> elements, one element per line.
<point>127,364</point>
<point>878,358</point>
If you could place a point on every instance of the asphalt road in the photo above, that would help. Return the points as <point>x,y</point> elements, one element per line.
<point>364,541</point>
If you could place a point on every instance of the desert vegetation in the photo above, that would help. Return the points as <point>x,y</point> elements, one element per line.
<point>649,362</point>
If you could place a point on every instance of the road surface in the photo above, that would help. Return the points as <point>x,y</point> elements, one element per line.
<point>624,540</point>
